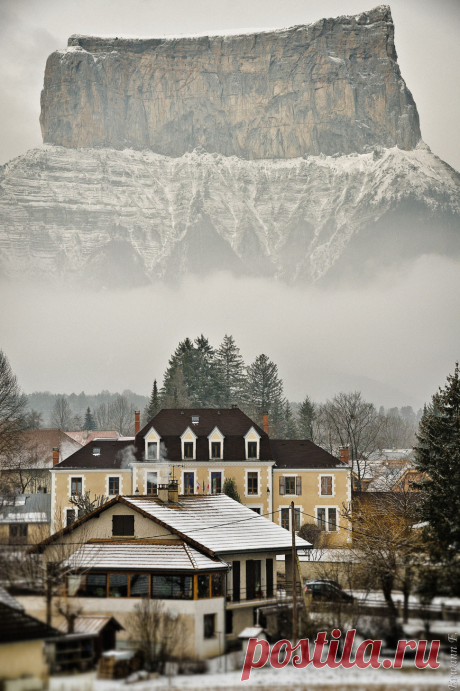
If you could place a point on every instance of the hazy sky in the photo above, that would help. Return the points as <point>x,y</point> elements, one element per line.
<point>395,341</point>
<point>427,42</point>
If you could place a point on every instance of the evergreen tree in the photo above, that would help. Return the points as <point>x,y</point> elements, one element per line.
<point>290,430</point>
<point>89,423</point>
<point>305,419</point>
<point>437,456</point>
<point>230,489</point>
<point>208,387</point>
<point>230,365</point>
<point>265,392</point>
<point>153,406</point>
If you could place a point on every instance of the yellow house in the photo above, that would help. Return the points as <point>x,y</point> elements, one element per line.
<point>24,519</point>
<point>22,637</point>
<point>209,559</point>
<point>201,448</point>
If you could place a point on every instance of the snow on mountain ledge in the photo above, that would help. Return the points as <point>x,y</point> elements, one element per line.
<point>126,217</point>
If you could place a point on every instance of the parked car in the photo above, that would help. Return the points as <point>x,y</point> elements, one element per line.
<point>328,590</point>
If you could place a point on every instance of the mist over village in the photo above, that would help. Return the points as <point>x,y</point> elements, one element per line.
<point>229,345</point>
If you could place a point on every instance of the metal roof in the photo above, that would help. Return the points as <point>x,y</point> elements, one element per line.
<point>219,523</point>
<point>155,555</point>
<point>90,624</point>
<point>26,508</point>
<point>8,599</point>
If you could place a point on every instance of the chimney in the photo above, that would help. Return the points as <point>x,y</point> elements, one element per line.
<point>343,454</point>
<point>55,455</point>
<point>266,422</point>
<point>137,421</point>
<point>173,491</point>
<point>163,493</point>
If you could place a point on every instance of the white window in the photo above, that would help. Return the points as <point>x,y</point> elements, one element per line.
<point>152,445</point>
<point>152,483</point>
<point>252,444</point>
<point>327,518</point>
<point>188,444</point>
<point>216,444</point>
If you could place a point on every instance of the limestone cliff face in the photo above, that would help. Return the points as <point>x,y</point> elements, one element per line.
<point>331,87</point>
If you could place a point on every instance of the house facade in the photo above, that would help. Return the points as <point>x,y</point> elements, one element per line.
<point>210,560</point>
<point>201,449</point>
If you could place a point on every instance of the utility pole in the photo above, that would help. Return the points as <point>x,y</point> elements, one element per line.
<point>294,579</point>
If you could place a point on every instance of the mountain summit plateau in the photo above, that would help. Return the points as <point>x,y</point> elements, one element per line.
<point>294,154</point>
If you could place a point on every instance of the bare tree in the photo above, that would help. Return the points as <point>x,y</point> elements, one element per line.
<point>102,416</point>
<point>12,408</point>
<point>386,546</point>
<point>396,432</point>
<point>84,504</point>
<point>121,415</point>
<point>349,420</point>
<point>158,634</point>
<point>62,414</point>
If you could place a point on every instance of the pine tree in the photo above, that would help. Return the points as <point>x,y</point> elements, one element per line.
<point>265,392</point>
<point>230,365</point>
<point>305,419</point>
<point>208,387</point>
<point>153,406</point>
<point>89,423</point>
<point>290,430</point>
<point>230,489</point>
<point>437,456</point>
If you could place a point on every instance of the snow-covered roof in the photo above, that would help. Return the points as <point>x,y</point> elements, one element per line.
<point>26,508</point>
<point>160,555</point>
<point>219,523</point>
<point>90,624</point>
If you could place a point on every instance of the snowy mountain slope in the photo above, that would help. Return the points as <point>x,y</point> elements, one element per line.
<point>125,217</point>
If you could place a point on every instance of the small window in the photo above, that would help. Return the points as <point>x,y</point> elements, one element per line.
<point>321,518</point>
<point>195,419</point>
<point>289,483</point>
<point>152,483</point>
<point>69,517</point>
<point>332,519</point>
<point>228,621</point>
<point>253,483</point>
<point>216,449</point>
<point>203,586</point>
<point>139,585</point>
<point>123,526</point>
<point>118,585</point>
<point>209,625</point>
<point>189,483</point>
<point>252,449</point>
<point>216,483</point>
<point>114,485</point>
<point>18,534</point>
<point>188,450</point>
<point>76,486</point>
<point>152,450</point>
<point>256,510</point>
<point>326,485</point>
<point>285,519</point>
<point>96,451</point>
<point>297,520</point>
<point>217,585</point>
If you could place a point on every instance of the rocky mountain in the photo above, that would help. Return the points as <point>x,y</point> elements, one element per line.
<point>333,86</point>
<point>295,154</point>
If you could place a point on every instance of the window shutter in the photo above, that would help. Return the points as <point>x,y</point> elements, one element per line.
<point>298,486</point>
<point>282,485</point>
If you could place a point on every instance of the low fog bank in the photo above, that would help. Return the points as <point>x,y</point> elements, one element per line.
<point>395,341</point>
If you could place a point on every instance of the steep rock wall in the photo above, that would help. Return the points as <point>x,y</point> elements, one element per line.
<point>330,87</point>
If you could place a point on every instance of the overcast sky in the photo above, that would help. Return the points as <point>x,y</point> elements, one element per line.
<point>427,42</point>
<point>396,341</point>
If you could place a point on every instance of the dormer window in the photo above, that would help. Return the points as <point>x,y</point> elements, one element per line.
<point>188,444</point>
<point>216,444</point>
<point>216,449</point>
<point>252,444</point>
<point>96,451</point>
<point>195,419</point>
<point>152,445</point>
<point>152,450</point>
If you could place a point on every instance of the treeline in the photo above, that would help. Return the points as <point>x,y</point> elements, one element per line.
<point>199,375</point>
<point>70,412</point>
